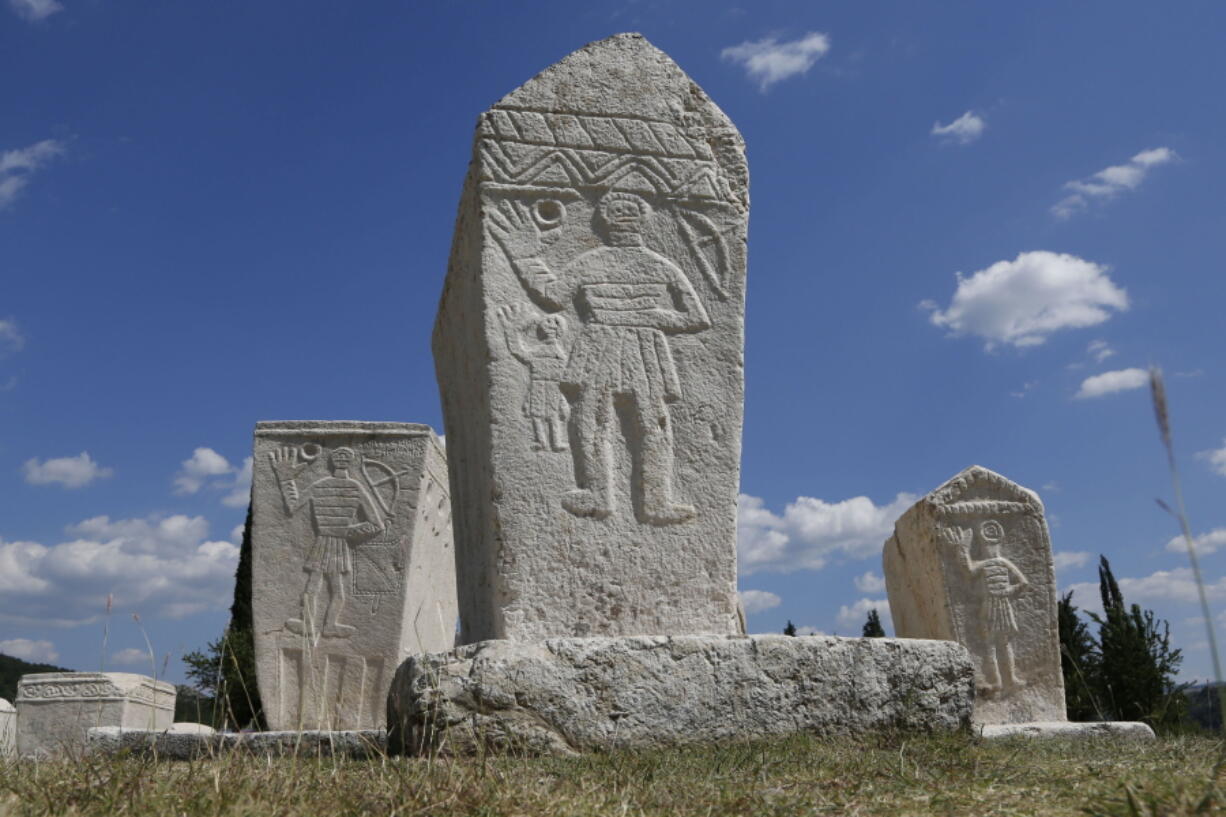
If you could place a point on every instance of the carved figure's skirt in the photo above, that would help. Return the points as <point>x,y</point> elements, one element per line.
<point>545,399</point>
<point>999,616</point>
<point>623,359</point>
<point>329,555</point>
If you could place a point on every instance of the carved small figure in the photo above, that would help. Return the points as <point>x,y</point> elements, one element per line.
<point>1000,581</point>
<point>629,298</point>
<point>342,512</point>
<point>546,406</point>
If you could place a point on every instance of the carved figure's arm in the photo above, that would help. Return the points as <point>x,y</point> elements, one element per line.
<point>511,225</point>
<point>508,317</point>
<point>692,317</point>
<point>961,539</point>
<point>372,525</point>
<point>1022,581</point>
<point>286,466</point>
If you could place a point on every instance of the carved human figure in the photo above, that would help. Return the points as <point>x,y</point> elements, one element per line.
<point>629,298</point>
<point>1000,581</point>
<point>342,512</point>
<point>546,360</point>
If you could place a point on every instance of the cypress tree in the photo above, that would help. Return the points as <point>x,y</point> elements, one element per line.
<point>790,629</point>
<point>872,627</point>
<point>1077,662</point>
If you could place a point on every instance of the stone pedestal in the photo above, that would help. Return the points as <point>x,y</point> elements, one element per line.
<point>566,695</point>
<point>971,562</point>
<point>1066,729</point>
<point>8,729</point>
<point>353,567</point>
<point>589,349</point>
<point>55,710</point>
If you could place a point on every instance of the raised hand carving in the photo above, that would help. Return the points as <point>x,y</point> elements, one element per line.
<point>515,230</point>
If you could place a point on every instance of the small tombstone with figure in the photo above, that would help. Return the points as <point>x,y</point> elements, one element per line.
<point>353,567</point>
<point>972,562</point>
<point>597,285</point>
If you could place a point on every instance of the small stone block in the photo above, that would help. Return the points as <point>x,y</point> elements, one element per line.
<point>172,745</point>
<point>1066,729</point>
<point>55,710</point>
<point>567,695</point>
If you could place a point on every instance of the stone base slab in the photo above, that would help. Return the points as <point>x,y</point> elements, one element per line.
<point>1065,729</point>
<point>175,745</point>
<point>568,695</point>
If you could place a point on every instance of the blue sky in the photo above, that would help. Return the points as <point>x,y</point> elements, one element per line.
<point>971,225</point>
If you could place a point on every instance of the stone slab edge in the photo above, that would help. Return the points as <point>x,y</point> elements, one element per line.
<point>358,744</point>
<point>1064,729</point>
<point>569,695</point>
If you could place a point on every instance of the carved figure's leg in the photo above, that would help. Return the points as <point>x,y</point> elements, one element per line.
<point>557,425</point>
<point>1008,670</point>
<point>654,456</point>
<point>590,421</point>
<point>336,603</point>
<point>991,671</point>
<point>306,624</point>
<point>540,434</point>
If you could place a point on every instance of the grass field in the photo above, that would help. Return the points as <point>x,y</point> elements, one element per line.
<point>802,775</point>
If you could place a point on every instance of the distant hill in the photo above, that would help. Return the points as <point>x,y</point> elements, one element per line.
<point>11,670</point>
<point>1204,706</point>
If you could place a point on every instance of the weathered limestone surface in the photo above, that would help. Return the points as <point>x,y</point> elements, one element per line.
<point>353,566</point>
<point>8,729</point>
<point>589,349</point>
<point>173,745</point>
<point>566,695</point>
<point>972,562</point>
<point>1065,729</point>
<point>55,710</point>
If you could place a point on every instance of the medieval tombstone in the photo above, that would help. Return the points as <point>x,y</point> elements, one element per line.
<point>353,567</point>
<point>589,348</point>
<point>972,562</point>
<point>8,729</point>
<point>55,710</point>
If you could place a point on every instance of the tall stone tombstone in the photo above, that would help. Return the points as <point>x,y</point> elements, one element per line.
<point>589,349</point>
<point>971,562</point>
<point>353,566</point>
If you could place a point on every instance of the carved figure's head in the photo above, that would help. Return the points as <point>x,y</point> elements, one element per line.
<point>342,459</point>
<point>551,327</point>
<point>624,212</point>
<point>993,533</point>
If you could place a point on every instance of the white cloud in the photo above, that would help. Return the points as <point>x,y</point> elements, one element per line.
<point>17,167</point>
<point>27,650</point>
<point>1026,388</point>
<point>1109,182</point>
<point>240,493</point>
<point>35,10</point>
<point>1112,382</point>
<point>1023,301</point>
<point>11,339</point>
<point>807,630</point>
<point>768,61</point>
<point>870,582</point>
<point>965,129</point>
<point>1205,543</point>
<point>131,656</point>
<point>205,468</point>
<point>1100,350</point>
<point>1216,458</point>
<point>755,601</point>
<point>158,566</point>
<point>71,472</point>
<point>855,614</point>
<point>1175,585</point>
<point>1070,558</point>
<point>811,530</point>
<point>236,533</point>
